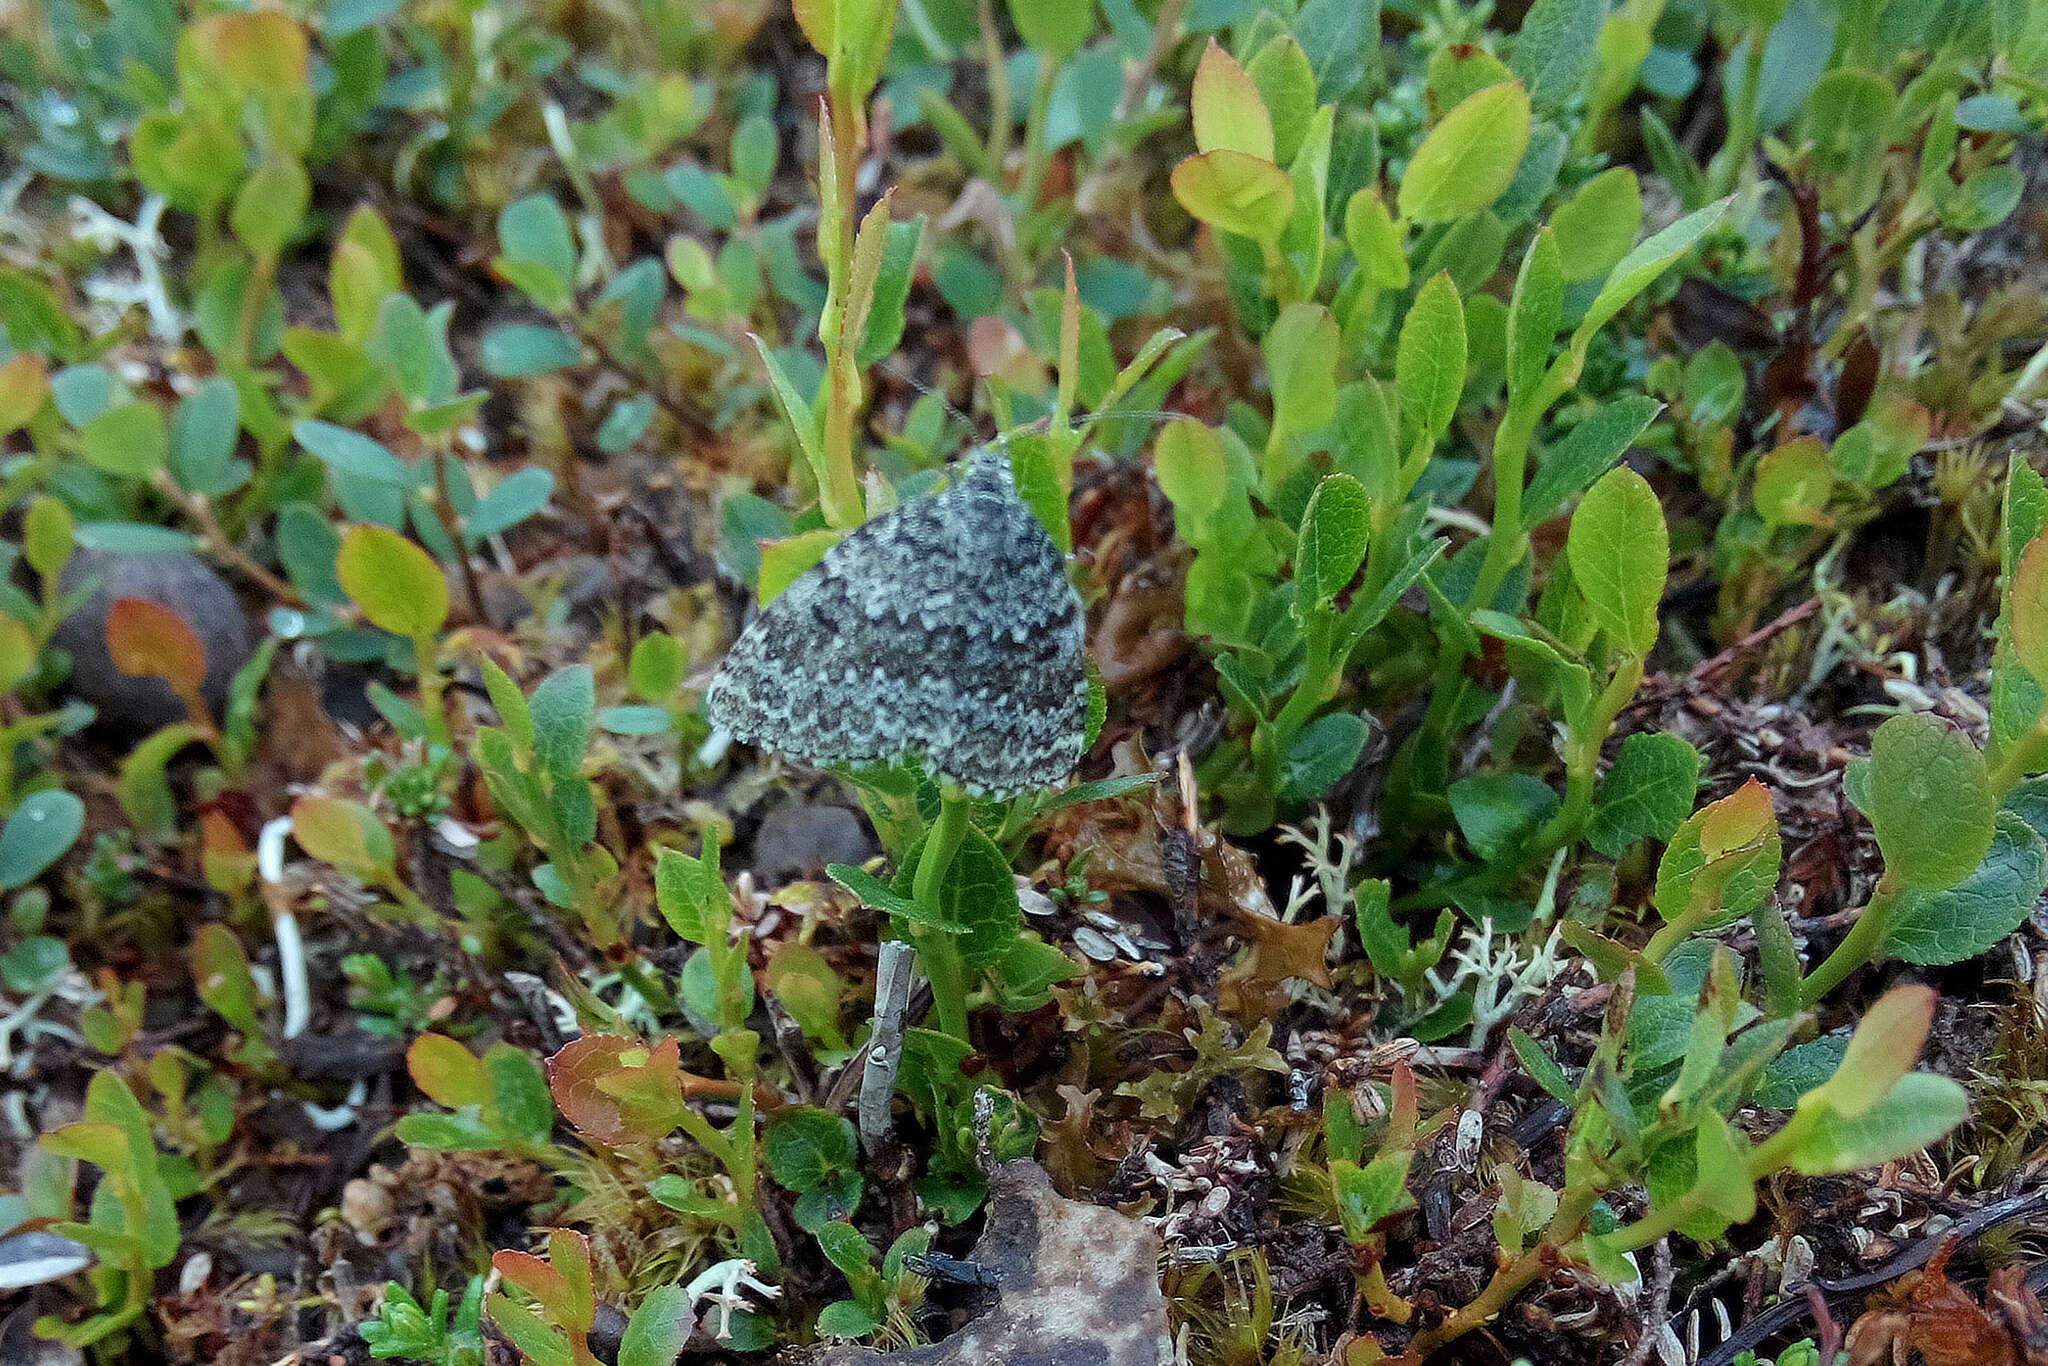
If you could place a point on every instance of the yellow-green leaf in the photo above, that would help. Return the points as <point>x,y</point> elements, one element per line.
<point>1429,364</point>
<point>1469,159</point>
<point>782,561</point>
<point>397,584</point>
<point>1235,192</point>
<point>1619,551</point>
<point>24,386</point>
<point>1229,112</point>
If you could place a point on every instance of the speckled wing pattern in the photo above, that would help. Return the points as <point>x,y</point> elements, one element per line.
<point>944,630</point>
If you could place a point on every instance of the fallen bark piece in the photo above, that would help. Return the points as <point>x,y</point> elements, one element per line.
<point>1076,1285</point>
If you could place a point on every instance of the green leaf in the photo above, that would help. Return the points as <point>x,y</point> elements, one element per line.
<point>806,1147</point>
<point>1534,314</point>
<point>797,411</point>
<point>1586,452</point>
<point>1375,240</point>
<point>1714,385</point>
<point>1929,803</point>
<point>1469,158</point>
<point>1799,1069</point>
<point>363,272</point>
<point>1097,790</point>
<point>847,1248</point>
<point>1194,474</point>
<point>1368,1194</point>
<point>534,233</point>
<point>564,709</point>
<point>1322,753</point>
<point>845,1319</point>
<point>1985,200</point>
<point>1915,1114</point>
<point>134,539</point>
<point>350,452</point>
<point>517,350</point>
<point>519,1092</point>
<point>1429,365</point>
<point>1236,192</point>
<point>1596,227</point>
<point>404,340</point>
<point>143,788</point>
<point>1301,358</point>
<point>1635,271</point>
<point>657,665</point>
<point>1540,1067</point>
<point>220,974</point>
<point>1646,795</point>
<point>202,443</point>
<point>875,893</point>
<point>627,720</point>
<point>517,497</point>
<point>786,560</point>
<point>1496,811</point>
<point>1792,484</point>
<point>48,537</point>
<point>1555,48</point>
<point>397,584</point>
<point>1287,83</point>
<point>1721,1163</point>
<point>658,1329</point>
<point>884,329</point>
<point>2028,609</point>
<point>1619,552</point>
<point>270,206</point>
<point>1937,928</point>
<point>1054,28</point>
<point>979,894</point>
<point>691,892</point>
<point>1030,968</point>
<point>1334,531</point>
<point>1846,120</point>
<point>37,833</point>
<point>130,441</point>
<point>1724,857</point>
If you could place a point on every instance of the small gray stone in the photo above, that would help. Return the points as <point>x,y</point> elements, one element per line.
<point>188,586</point>
<point>798,840</point>
<point>944,630</point>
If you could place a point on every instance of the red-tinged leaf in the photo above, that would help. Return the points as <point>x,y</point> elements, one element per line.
<point>1882,1050</point>
<point>261,50</point>
<point>1742,820</point>
<point>617,1089</point>
<point>229,863</point>
<point>1229,113</point>
<point>539,1279</point>
<point>151,640</point>
<point>2030,608</point>
<point>24,386</point>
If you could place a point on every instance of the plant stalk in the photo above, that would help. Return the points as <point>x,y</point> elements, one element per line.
<point>942,963</point>
<point>1865,938</point>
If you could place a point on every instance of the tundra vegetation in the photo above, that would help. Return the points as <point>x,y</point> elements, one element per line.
<point>1470,748</point>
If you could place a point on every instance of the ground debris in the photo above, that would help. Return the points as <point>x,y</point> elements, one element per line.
<point>1925,1313</point>
<point>1076,1285</point>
